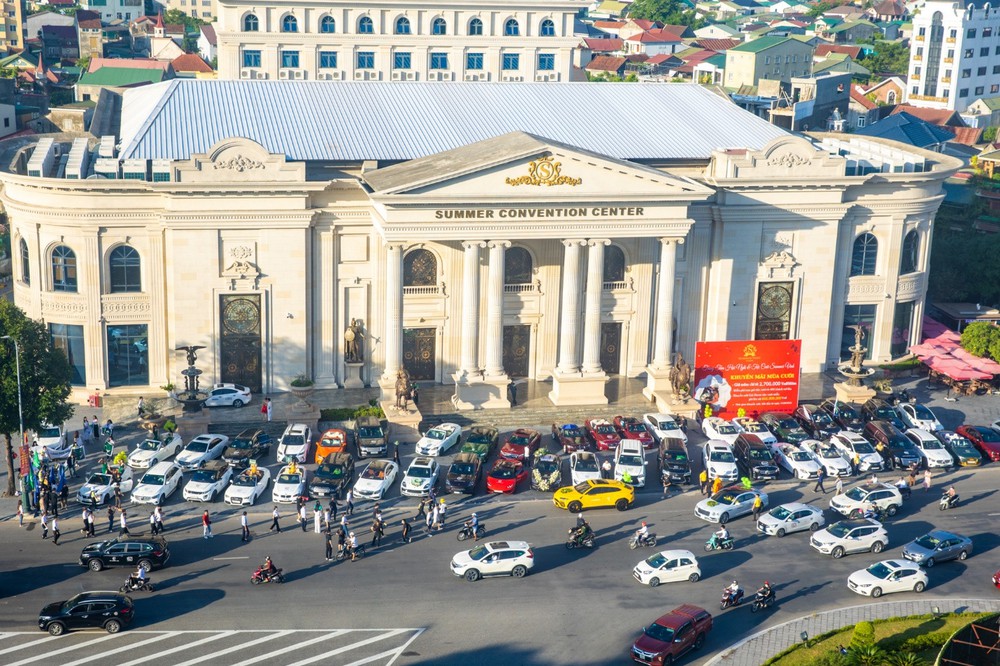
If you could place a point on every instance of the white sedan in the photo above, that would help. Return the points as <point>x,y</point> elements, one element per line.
<point>247,487</point>
<point>668,566</point>
<point>152,451</point>
<point>289,485</point>
<point>375,480</point>
<point>888,576</point>
<point>420,477</point>
<point>719,428</point>
<point>918,416</point>
<point>58,449</point>
<point>800,464</point>
<point>748,425</point>
<point>583,465</point>
<point>930,447</point>
<point>664,425</point>
<point>439,439</point>
<point>228,395</point>
<point>791,517</point>
<point>102,487</point>
<point>828,456</point>
<point>201,449</point>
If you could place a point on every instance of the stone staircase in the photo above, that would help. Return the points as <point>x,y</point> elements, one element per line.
<point>522,417</point>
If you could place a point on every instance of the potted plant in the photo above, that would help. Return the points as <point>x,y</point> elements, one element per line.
<point>302,387</point>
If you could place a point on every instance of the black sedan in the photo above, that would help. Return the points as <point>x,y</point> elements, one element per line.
<point>843,414</point>
<point>251,444</point>
<point>146,552</point>
<point>815,421</point>
<point>463,474</point>
<point>333,476</point>
<point>110,611</point>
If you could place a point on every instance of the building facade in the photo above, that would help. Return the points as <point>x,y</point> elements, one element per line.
<point>202,9</point>
<point>12,27</point>
<point>770,58</point>
<point>954,54</point>
<point>464,40</point>
<point>470,257</point>
<point>110,10</point>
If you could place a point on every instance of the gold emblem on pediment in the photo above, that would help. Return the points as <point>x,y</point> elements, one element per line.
<point>544,171</point>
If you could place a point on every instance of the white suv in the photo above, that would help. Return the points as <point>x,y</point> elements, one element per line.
<point>720,461</point>
<point>851,443</point>
<point>295,443</point>
<point>629,457</point>
<point>496,558</point>
<point>158,484</point>
<point>930,447</point>
<point>855,501</point>
<point>850,536</point>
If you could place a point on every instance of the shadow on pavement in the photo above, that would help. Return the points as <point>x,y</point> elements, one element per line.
<point>806,591</point>
<point>22,581</point>
<point>178,580</point>
<point>488,655</point>
<point>984,542</point>
<point>163,607</point>
<point>722,563</point>
<point>944,573</point>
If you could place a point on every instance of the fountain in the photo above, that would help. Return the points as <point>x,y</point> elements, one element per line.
<point>191,397</point>
<point>854,389</point>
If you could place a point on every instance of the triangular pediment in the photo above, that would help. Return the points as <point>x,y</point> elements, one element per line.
<point>521,166</point>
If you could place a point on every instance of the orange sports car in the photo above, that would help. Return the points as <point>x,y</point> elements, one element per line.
<point>332,441</point>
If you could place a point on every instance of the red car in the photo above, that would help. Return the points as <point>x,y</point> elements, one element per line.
<point>521,444</point>
<point>996,580</point>
<point>602,433</point>
<point>569,437</point>
<point>505,476</point>
<point>984,438</point>
<point>630,427</point>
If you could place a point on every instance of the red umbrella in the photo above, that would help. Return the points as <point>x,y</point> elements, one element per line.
<point>954,368</point>
<point>933,328</point>
<point>977,362</point>
<point>925,351</point>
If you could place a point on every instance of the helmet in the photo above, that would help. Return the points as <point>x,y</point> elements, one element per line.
<point>735,584</point>
<point>473,514</point>
<point>352,534</point>
<point>644,523</point>
<point>767,583</point>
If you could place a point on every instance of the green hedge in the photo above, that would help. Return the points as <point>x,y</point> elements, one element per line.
<point>352,413</point>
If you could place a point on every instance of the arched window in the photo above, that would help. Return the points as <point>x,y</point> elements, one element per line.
<point>289,24</point>
<point>63,269</point>
<point>864,255</point>
<point>614,264</point>
<point>25,266</point>
<point>327,25</point>
<point>517,266</point>
<point>250,23</point>
<point>125,264</point>
<point>439,27</point>
<point>511,28</point>
<point>366,26</point>
<point>475,27</point>
<point>402,26</point>
<point>911,253</point>
<point>420,269</point>
<point>548,28</point>
<point>890,99</point>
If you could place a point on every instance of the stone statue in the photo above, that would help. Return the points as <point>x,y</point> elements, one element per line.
<point>354,339</point>
<point>859,334</point>
<point>857,351</point>
<point>192,352</point>
<point>680,377</point>
<point>403,388</point>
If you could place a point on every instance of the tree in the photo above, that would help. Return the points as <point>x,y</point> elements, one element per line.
<point>979,337</point>
<point>887,58</point>
<point>863,636</point>
<point>821,8</point>
<point>990,134</point>
<point>668,12</point>
<point>45,380</point>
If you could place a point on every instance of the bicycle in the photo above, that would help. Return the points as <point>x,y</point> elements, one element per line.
<point>345,554</point>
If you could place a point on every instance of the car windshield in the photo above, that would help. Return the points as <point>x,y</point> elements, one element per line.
<point>241,443</point>
<point>673,456</point>
<point>962,446</point>
<point>726,429</point>
<point>419,472</point>
<point>780,513</point>
<point>586,464</point>
<point>669,425</point>
<point>330,470</point>
<point>292,440</point>
<point>989,435</point>
<point>289,478</point>
<point>923,413</point>
<point>656,561</point>
<point>822,418</point>
<point>332,441</point>
<point>886,413</point>
<point>800,456</point>
<point>198,445</point>
<point>571,431</point>
<point>520,440</point>
<point>847,413</point>
<point>245,480</point>
<point>100,480</point>
<point>660,633</point>
<point>49,433</point>
<point>203,476</point>
<point>371,432</point>
<point>927,541</point>
<point>724,498</point>
<point>547,466</point>
<point>149,445</point>
<point>863,447</point>
<point>879,570</point>
<point>582,487</point>
<point>756,428</point>
<point>479,438</point>
<point>635,427</point>
<point>856,494</point>
<point>839,530</point>
<point>760,454</point>
<point>930,445</point>
<point>463,468</point>
<point>630,460</point>
<point>479,552</point>
<point>788,424</point>
<point>721,456</point>
<point>504,472</point>
<point>436,434</point>
<point>604,429</point>
<point>828,452</point>
<point>374,471</point>
<point>152,480</point>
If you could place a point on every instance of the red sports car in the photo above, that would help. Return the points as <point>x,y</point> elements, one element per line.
<point>630,427</point>
<point>602,433</point>
<point>505,476</point>
<point>984,438</point>
<point>521,443</point>
<point>996,580</point>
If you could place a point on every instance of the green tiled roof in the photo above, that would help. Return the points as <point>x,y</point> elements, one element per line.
<point>992,103</point>
<point>851,24</point>
<point>758,45</point>
<point>117,77</point>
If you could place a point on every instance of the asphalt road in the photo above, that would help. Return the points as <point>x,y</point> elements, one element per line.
<point>402,605</point>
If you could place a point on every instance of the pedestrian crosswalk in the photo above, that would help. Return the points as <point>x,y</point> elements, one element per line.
<point>293,647</point>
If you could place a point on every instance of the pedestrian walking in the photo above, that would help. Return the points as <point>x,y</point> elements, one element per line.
<point>333,507</point>
<point>245,526</point>
<point>152,524</point>
<point>758,504</point>
<point>317,519</point>
<point>349,499</point>
<point>90,523</point>
<point>158,512</point>
<point>344,522</point>
<point>71,461</point>
<point>274,521</point>
<point>717,485</point>
<point>927,480</point>
<point>442,512</point>
<point>55,531</point>
<point>206,526</point>
<point>123,524</point>
<point>432,518</point>
<point>329,545</point>
<point>421,508</point>
<point>341,539</point>
<point>95,429</point>
<point>395,452</point>
<point>855,464</point>
<point>512,393</point>
<point>703,479</point>
<point>45,524</point>
<point>302,518</point>
<point>140,407</point>
<point>326,519</point>
<point>118,496</point>
<point>64,496</point>
<point>20,515</point>
<point>377,532</point>
<point>268,409</point>
<point>839,486</point>
<point>666,484</point>
<point>820,475</point>
<point>406,531</point>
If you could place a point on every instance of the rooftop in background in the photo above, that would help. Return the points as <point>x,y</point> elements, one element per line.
<point>908,129</point>
<point>121,77</point>
<point>758,45</point>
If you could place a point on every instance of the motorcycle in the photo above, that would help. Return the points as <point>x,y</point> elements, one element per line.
<point>730,599</point>
<point>466,532</point>
<point>133,584</point>
<point>641,542</point>
<point>576,541</point>
<point>878,513</point>
<point>713,543</point>
<point>260,576</point>
<point>760,601</point>
<point>948,501</point>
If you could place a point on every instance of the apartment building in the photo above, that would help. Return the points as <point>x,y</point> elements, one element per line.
<point>12,35</point>
<point>771,58</point>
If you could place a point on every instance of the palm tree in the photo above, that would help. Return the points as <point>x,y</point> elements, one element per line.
<point>867,655</point>
<point>905,659</point>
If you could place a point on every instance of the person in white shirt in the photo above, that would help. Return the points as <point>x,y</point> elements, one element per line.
<point>244,523</point>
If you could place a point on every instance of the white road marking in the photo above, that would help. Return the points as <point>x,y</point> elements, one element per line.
<point>376,657</point>
<point>346,648</point>
<point>236,648</point>
<point>70,648</point>
<point>414,637</point>
<point>292,648</point>
<point>181,648</point>
<point>132,646</point>
<point>27,645</point>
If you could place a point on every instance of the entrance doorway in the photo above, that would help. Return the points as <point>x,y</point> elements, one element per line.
<point>240,341</point>
<point>419,353</point>
<point>611,347</point>
<point>516,350</point>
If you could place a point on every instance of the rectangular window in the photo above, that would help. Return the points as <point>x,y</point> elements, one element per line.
<point>996,51</point>
<point>970,33</point>
<point>951,53</point>
<point>953,34</point>
<point>854,315</point>
<point>979,90</point>
<point>983,52</point>
<point>861,121</point>
<point>328,59</point>
<point>366,60</point>
<point>995,88</point>
<point>902,324</point>
<point>439,61</point>
<point>401,60</point>
<point>947,73</point>
<point>69,339</point>
<point>981,71</point>
<point>915,91</point>
<point>511,61</point>
<point>947,93</point>
<point>251,58</point>
<point>290,59</point>
<point>966,73</point>
<point>987,32</point>
<point>968,53</point>
<point>916,71</point>
<point>160,177</point>
<point>474,61</point>
<point>964,92</point>
<point>996,69</point>
<point>923,31</point>
<point>546,62</point>
<point>128,346</point>
<point>920,50</point>
<point>767,60</point>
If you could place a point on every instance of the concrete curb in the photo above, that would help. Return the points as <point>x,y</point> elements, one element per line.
<point>754,650</point>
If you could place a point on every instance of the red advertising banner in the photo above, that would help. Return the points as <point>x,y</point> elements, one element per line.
<point>754,376</point>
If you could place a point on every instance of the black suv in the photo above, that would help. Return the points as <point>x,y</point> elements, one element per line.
<point>110,611</point>
<point>754,458</point>
<point>148,553</point>
<point>843,414</point>
<point>673,459</point>
<point>895,448</point>
<point>464,473</point>
<point>251,444</point>
<point>815,421</point>
<point>877,409</point>
<point>371,437</point>
<point>333,475</point>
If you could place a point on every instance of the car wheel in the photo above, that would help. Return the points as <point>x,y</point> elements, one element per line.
<point>876,592</point>
<point>891,511</point>
<point>780,532</point>
<point>837,553</point>
<point>96,565</point>
<point>963,555</point>
<point>654,582</point>
<point>112,626</point>
<point>520,571</point>
<point>724,518</point>
<point>856,513</point>
<point>471,575</point>
<point>698,642</point>
<point>575,507</point>
<point>146,564</point>
<point>621,504</point>
<point>237,403</point>
<point>919,587</point>
<point>694,578</point>
<point>57,628</point>
<point>877,547</point>
<point>814,527</point>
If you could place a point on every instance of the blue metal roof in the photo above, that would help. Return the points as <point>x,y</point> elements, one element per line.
<point>350,121</point>
<point>907,129</point>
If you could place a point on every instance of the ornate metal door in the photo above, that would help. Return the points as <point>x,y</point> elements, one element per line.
<point>240,340</point>
<point>774,311</point>
<point>611,347</point>
<point>516,350</point>
<point>419,353</point>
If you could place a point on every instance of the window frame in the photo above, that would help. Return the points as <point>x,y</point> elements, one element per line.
<point>289,24</point>
<point>511,28</point>
<point>475,27</point>
<point>510,62</point>
<point>247,22</point>
<point>439,26</point>
<point>366,26</point>
<point>325,22</point>
<point>66,263</point>
<point>130,265</point>
<point>25,253</point>
<point>865,263</point>
<point>547,28</point>
<point>402,26</point>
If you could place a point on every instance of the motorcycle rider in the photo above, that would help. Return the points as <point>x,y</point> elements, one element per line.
<point>765,593</point>
<point>642,534</point>
<point>721,536</point>
<point>472,525</point>
<point>267,569</point>
<point>137,579</point>
<point>580,533</point>
<point>872,511</point>
<point>733,591</point>
<point>352,546</point>
<point>952,495</point>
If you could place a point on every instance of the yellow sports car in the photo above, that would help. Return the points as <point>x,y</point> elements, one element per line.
<point>594,494</point>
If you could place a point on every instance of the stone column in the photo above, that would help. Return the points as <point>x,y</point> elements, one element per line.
<point>494,309</point>
<point>569,322</point>
<point>592,319</point>
<point>470,309</point>
<point>393,311</point>
<point>662,351</point>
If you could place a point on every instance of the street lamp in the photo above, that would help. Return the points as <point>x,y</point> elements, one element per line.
<point>20,412</point>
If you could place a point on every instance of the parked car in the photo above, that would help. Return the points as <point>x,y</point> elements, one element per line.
<point>294,443</point>
<point>376,480</point>
<point>47,436</point>
<point>754,458</point>
<point>877,409</point>
<point>815,421</point>
<point>464,473</point>
<point>854,501</point>
<point>668,566</point>
<point>800,464</point>
<point>201,449</point>
<point>594,494</point>
<point>673,635</point>
<point>791,517</point>
<point>960,448</point>
<point>110,611</point>
<point>930,447</point>
<point>851,443</point>
<point>583,465</point>
<point>720,461</point>
<point>629,427</point>
<point>892,444</point>
<point>673,460</point>
<point>505,476</point>
<point>247,486</point>
<point>664,425</point>
<point>439,439</point>
<point>546,474</point>
<point>333,476</point>
<point>843,414</point>
<point>828,456</point>
<point>754,427</point>
<point>289,484</point>
<point>984,438</point>
<point>784,427</point>
<point>888,576</point>
<point>100,488</point>
<point>481,440</point>
<point>521,445</point>
<point>332,441</point>
<point>715,427</point>
<point>208,481</point>
<point>630,459</point>
<point>729,503</point>
<point>937,546</point>
<point>602,434</point>
<point>850,536</point>
<point>157,484</point>
<point>569,437</point>
<point>917,416</point>
<point>228,395</point>
<point>371,437</point>
<point>495,558</point>
<point>250,444</point>
<point>146,552</point>
<point>420,477</point>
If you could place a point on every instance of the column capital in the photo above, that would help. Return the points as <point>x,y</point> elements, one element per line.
<point>394,245</point>
<point>495,244</point>
<point>468,245</point>
<point>573,241</point>
<point>594,242</point>
<point>672,239</point>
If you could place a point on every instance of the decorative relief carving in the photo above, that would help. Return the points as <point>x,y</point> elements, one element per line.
<point>866,288</point>
<point>778,264</point>
<point>131,307</point>
<point>544,171</point>
<point>788,160</point>
<point>238,163</point>
<point>242,264</point>
<point>909,285</point>
<point>63,306</point>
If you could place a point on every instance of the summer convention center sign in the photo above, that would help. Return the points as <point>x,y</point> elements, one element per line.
<point>747,377</point>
